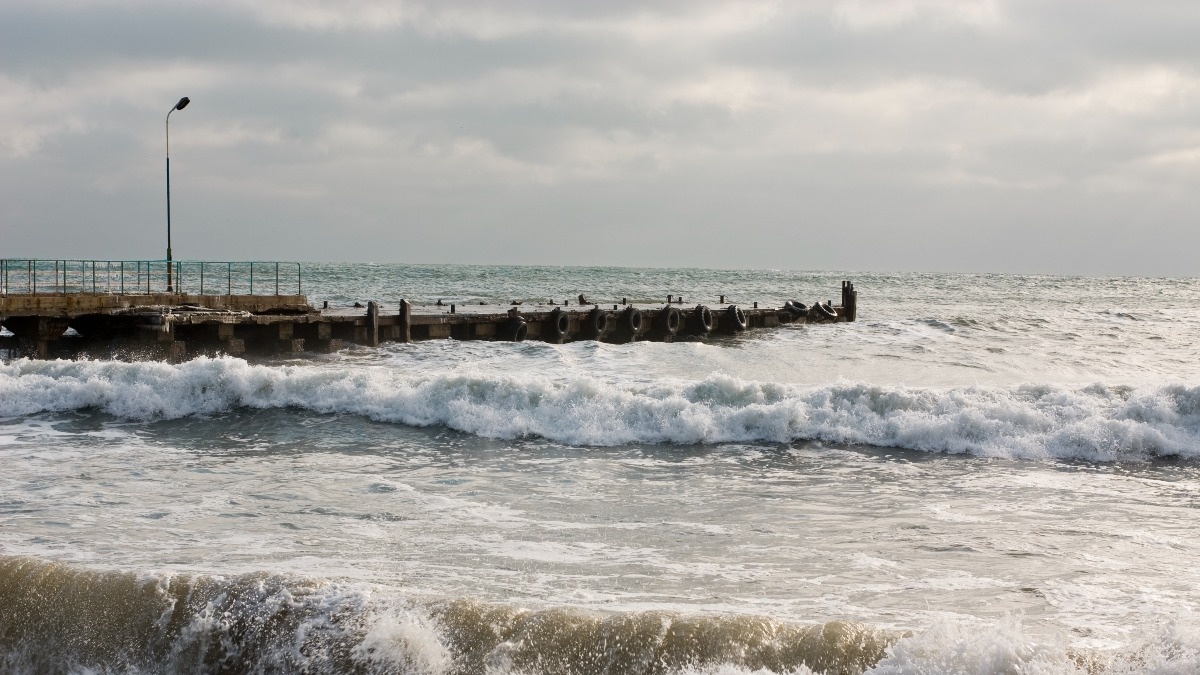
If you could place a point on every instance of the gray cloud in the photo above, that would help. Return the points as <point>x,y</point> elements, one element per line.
<point>905,134</point>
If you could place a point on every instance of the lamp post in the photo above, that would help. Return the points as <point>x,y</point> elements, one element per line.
<point>178,106</point>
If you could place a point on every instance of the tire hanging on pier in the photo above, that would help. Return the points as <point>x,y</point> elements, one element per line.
<point>797,309</point>
<point>598,320</point>
<point>736,318</point>
<point>516,330</point>
<point>704,319</point>
<point>632,320</point>
<point>669,319</point>
<point>823,312</point>
<point>560,323</point>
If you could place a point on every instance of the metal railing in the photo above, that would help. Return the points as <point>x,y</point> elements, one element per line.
<point>24,276</point>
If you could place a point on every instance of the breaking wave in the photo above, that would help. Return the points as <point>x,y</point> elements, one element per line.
<point>1097,422</point>
<point>60,618</point>
<point>56,618</point>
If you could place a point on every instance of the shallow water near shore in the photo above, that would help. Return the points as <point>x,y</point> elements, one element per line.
<point>984,473</point>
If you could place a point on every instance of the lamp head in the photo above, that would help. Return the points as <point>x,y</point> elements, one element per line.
<point>182,103</point>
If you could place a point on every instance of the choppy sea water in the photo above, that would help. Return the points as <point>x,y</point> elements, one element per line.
<point>984,473</point>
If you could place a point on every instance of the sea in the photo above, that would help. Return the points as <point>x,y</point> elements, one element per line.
<point>984,473</point>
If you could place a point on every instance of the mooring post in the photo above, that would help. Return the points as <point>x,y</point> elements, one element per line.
<point>405,322</point>
<point>373,323</point>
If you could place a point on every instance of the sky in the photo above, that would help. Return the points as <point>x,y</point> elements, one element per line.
<point>1054,137</point>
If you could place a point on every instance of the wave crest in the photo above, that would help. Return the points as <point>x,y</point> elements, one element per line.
<point>1097,422</point>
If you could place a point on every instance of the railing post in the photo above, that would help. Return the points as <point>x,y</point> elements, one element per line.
<point>201,277</point>
<point>277,279</point>
<point>229,278</point>
<point>298,279</point>
<point>251,278</point>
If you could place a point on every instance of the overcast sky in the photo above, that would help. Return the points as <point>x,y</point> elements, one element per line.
<point>939,135</point>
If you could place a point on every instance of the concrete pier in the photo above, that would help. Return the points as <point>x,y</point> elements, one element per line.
<point>178,325</point>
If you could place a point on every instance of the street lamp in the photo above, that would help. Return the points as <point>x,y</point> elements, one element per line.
<point>178,106</point>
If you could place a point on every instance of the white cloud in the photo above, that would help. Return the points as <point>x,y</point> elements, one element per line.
<point>492,21</point>
<point>1183,157</point>
<point>875,15</point>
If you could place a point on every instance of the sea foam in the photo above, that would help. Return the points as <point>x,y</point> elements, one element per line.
<point>1033,421</point>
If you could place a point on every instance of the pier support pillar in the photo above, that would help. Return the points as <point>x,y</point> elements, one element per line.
<point>230,345</point>
<point>177,351</point>
<point>287,342</point>
<point>405,324</point>
<point>48,333</point>
<point>291,346</point>
<point>372,338</point>
<point>325,342</point>
<point>329,346</point>
<point>40,333</point>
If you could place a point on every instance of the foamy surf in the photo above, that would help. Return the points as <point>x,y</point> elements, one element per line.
<point>1097,422</point>
<point>57,618</point>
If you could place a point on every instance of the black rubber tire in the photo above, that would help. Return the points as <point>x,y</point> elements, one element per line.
<point>633,320</point>
<point>560,323</point>
<point>736,318</point>
<point>825,312</point>
<point>598,320</point>
<point>670,319</point>
<point>796,308</point>
<point>704,319</point>
<point>516,330</point>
